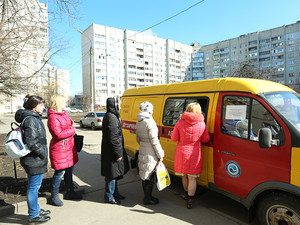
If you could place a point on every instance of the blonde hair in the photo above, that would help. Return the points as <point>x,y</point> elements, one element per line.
<point>57,101</point>
<point>194,107</point>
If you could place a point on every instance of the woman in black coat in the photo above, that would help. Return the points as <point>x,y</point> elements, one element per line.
<point>35,163</point>
<point>114,161</point>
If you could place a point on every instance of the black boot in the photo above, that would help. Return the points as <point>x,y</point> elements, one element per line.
<point>55,197</point>
<point>71,194</point>
<point>148,198</point>
<point>189,202</point>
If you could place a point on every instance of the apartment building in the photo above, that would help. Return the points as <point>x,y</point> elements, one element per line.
<point>276,50</point>
<point>114,60</point>
<point>33,54</point>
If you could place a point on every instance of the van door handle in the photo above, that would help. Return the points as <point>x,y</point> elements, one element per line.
<point>162,130</point>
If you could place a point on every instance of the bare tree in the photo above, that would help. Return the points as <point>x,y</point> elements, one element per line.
<point>24,37</point>
<point>249,70</point>
<point>295,87</point>
<point>49,88</point>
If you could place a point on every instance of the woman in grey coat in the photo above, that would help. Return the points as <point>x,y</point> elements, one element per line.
<point>150,150</point>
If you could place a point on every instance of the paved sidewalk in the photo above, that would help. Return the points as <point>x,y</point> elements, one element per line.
<point>92,209</point>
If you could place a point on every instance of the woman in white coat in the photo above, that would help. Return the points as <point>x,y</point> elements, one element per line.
<point>150,150</point>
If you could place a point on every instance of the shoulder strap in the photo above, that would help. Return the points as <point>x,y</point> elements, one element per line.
<point>36,121</point>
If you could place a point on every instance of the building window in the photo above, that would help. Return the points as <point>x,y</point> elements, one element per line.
<point>264,53</point>
<point>291,68</point>
<point>264,41</point>
<point>276,38</point>
<point>252,43</point>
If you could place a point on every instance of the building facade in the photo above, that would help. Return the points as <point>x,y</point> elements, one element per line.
<point>276,50</point>
<point>32,58</point>
<point>114,60</point>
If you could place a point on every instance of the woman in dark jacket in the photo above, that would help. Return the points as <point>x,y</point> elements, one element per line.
<point>35,163</point>
<point>114,161</point>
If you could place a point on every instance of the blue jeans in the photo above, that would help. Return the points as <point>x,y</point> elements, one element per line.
<point>111,189</point>
<point>33,186</point>
<point>56,179</point>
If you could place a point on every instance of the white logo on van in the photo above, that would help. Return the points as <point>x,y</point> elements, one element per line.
<point>233,169</point>
<point>129,126</point>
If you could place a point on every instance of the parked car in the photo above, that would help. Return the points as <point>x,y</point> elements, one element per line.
<point>93,120</point>
<point>74,110</point>
<point>44,113</point>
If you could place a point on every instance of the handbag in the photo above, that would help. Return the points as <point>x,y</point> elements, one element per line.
<point>163,177</point>
<point>153,178</point>
<point>78,142</point>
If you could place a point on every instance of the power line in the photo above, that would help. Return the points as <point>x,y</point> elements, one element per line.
<point>165,20</point>
<point>171,17</point>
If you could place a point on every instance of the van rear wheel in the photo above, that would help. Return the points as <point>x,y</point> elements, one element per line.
<point>279,209</point>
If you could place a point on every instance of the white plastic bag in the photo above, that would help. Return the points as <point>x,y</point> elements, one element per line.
<point>163,177</point>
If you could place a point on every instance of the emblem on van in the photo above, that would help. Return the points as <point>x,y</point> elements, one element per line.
<point>233,169</point>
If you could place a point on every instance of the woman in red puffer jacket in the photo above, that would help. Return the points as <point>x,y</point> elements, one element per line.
<point>189,131</point>
<point>63,154</point>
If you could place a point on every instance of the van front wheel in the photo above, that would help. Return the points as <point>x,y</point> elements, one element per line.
<point>279,208</point>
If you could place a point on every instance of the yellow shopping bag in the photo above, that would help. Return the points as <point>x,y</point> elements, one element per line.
<point>163,177</point>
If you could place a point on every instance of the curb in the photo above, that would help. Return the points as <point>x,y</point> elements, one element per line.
<point>18,207</point>
<point>22,206</point>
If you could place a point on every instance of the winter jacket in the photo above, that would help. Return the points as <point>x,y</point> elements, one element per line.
<point>189,131</point>
<point>150,149</point>
<point>63,153</point>
<point>35,138</point>
<point>112,146</point>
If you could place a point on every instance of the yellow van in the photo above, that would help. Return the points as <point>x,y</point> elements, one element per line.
<point>254,152</point>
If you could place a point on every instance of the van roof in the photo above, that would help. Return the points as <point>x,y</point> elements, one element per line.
<point>254,86</point>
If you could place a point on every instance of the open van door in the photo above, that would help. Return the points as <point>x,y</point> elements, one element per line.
<point>174,106</point>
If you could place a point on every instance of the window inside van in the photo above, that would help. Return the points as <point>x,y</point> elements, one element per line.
<point>243,117</point>
<point>174,107</point>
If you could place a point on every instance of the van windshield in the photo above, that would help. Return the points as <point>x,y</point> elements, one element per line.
<point>288,104</point>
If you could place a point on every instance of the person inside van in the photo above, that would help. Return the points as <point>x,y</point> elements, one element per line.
<point>150,150</point>
<point>189,131</point>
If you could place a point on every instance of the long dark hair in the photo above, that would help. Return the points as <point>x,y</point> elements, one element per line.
<point>31,101</point>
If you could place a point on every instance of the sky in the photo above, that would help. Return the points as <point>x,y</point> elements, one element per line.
<point>208,22</point>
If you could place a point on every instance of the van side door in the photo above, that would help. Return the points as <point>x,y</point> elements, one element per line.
<point>174,106</point>
<point>240,164</point>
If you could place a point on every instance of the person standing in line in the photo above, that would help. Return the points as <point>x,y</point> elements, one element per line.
<point>63,154</point>
<point>189,131</point>
<point>35,163</point>
<point>150,150</point>
<point>114,161</point>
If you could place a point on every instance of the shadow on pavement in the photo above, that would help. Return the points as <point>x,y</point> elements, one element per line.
<point>217,206</point>
<point>15,219</point>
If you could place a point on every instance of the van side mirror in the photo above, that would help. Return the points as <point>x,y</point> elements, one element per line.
<point>265,138</point>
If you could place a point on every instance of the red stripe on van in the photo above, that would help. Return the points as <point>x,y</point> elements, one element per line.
<point>128,125</point>
<point>163,131</point>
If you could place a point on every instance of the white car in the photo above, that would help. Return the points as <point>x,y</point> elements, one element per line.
<point>74,110</point>
<point>93,120</point>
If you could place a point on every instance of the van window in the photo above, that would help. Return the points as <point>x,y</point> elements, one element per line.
<point>235,116</point>
<point>261,117</point>
<point>236,121</point>
<point>174,108</point>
